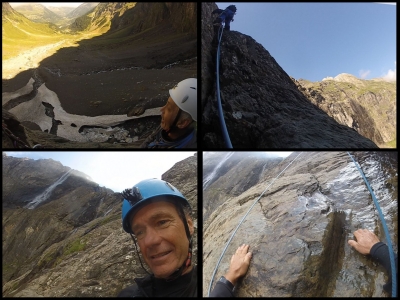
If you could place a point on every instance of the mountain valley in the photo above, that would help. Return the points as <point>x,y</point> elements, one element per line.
<point>118,61</point>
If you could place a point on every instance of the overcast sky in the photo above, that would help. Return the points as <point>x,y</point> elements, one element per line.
<point>114,170</point>
<point>58,4</point>
<point>318,40</point>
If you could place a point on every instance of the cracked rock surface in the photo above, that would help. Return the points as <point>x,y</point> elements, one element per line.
<point>299,228</point>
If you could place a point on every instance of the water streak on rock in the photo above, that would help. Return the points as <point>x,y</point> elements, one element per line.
<point>46,194</point>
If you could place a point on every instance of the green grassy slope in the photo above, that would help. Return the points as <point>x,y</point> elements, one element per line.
<point>20,34</point>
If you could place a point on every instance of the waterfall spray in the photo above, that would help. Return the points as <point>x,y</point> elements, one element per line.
<point>46,194</point>
<point>210,177</point>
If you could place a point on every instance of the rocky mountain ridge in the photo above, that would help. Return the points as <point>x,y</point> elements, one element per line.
<point>61,16</point>
<point>262,107</point>
<point>113,16</point>
<point>82,9</point>
<point>220,179</point>
<point>298,229</point>
<point>37,13</point>
<point>367,106</point>
<point>73,244</point>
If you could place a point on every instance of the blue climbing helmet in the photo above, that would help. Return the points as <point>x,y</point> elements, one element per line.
<point>145,192</point>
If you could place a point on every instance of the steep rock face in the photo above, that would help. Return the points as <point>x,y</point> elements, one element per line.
<point>298,230</point>
<point>139,16</point>
<point>6,9</point>
<point>82,9</point>
<point>99,18</point>
<point>262,106</point>
<point>183,16</point>
<point>220,178</point>
<point>24,179</point>
<point>368,106</point>
<point>74,244</point>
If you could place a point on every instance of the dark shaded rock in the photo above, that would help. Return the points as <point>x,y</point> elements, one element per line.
<point>253,83</point>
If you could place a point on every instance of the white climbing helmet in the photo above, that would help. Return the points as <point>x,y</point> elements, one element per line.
<point>184,95</point>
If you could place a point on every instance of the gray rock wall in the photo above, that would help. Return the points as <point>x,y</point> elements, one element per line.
<point>298,231</point>
<point>220,178</point>
<point>367,106</point>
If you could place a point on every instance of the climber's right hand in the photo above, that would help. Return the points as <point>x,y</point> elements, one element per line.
<point>365,240</point>
<point>240,262</point>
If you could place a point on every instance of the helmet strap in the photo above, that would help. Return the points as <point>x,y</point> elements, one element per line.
<point>136,247</point>
<point>187,263</point>
<point>173,126</point>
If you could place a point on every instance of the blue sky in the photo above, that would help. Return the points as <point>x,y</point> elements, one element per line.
<point>317,40</point>
<point>114,170</point>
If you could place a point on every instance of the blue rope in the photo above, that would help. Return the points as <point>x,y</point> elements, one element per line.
<point>391,253</point>
<point>225,133</point>
<point>237,227</point>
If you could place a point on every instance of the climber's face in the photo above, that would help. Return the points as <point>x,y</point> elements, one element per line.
<point>168,114</point>
<point>161,237</point>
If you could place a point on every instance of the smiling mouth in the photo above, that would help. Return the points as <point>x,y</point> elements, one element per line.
<point>160,254</point>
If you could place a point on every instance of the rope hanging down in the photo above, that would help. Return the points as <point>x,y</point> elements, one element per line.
<point>227,244</point>
<point>385,229</point>
<point>225,133</point>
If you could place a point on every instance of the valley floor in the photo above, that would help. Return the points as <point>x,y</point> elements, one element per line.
<point>98,78</point>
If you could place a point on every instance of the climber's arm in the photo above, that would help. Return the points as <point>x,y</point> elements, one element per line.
<point>380,252</point>
<point>368,243</point>
<point>240,262</point>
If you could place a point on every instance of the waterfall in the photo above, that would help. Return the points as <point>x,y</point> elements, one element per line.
<point>210,177</point>
<point>98,207</point>
<point>46,194</point>
<point>108,211</point>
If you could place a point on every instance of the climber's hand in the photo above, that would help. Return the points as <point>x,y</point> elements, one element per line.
<point>240,262</point>
<point>365,240</point>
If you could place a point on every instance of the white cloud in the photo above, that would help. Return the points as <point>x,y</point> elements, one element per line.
<point>390,75</point>
<point>281,154</point>
<point>364,73</point>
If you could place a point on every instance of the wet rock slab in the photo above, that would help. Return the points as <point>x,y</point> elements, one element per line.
<point>298,231</point>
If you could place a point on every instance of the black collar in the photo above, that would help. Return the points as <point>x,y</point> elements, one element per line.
<point>180,287</point>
